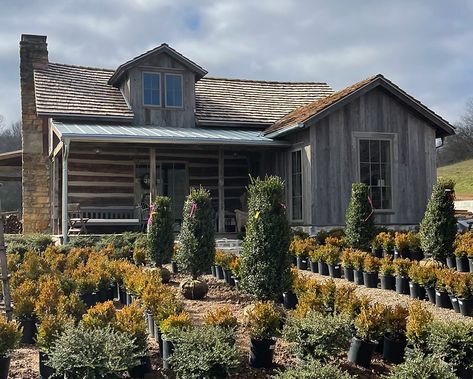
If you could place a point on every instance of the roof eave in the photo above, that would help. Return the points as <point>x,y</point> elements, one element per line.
<point>84,117</point>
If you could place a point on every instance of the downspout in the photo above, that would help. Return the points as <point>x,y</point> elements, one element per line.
<point>65,218</point>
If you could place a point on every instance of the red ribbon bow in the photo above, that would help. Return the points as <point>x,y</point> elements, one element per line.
<point>193,209</point>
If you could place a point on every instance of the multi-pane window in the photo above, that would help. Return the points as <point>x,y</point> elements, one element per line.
<point>296,184</point>
<point>375,170</point>
<point>151,89</point>
<point>173,90</point>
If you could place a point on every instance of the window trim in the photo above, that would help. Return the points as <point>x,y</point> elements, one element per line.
<point>143,89</point>
<point>298,220</point>
<point>166,94</point>
<point>379,136</point>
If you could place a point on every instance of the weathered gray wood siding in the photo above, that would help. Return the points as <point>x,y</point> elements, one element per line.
<point>132,88</point>
<point>335,159</point>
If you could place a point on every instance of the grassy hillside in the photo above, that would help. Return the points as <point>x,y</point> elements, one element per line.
<point>462,173</point>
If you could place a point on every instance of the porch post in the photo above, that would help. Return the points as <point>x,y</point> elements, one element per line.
<point>65,219</point>
<point>152,174</point>
<point>221,191</point>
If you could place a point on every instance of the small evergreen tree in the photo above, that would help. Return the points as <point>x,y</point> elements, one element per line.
<point>360,218</point>
<point>439,225</point>
<point>160,233</point>
<point>196,251</point>
<point>265,261</point>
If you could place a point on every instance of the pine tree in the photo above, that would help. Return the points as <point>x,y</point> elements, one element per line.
<point>439,225</point>
<point>359,218</point>
<point>160,232</point>
<point>265,261</point>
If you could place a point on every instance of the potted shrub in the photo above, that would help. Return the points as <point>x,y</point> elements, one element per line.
<point>401,270</point>
<point>227,273</point>
<point>301,248</point>
<point>347,264</point>
<point>85,285</point>
<point>314,257</point>
<point>417,327</point>
<point>313,369</point>
<point>323,267</point>
<point>357,260</point>
<point>220,259</point>
<point>376,247</point>
<point>10,336</point>
<point>169,327</point>
<point>443,285</point>
<point>462,246</point>
<point>222,317</point>
<point>416,281</point>
<point>463,290</point>
<point>263,321</point>
<point>359,218</point>
<point>265,262</point>
<point>196,251</point>
<point>235,267</point>
<point>401,245</point>
<point>331,255</point>
<point>160,236</point>
<point>413,241</point>
<point>386,273</point>
<point>419,365</point>
<point>369,326</point>
<point>371,265</point>
<point>24,297</point>
<point>387,242</point>
<point>395,338</point>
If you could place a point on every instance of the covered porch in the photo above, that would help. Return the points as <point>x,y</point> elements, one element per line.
<point>106,175</point>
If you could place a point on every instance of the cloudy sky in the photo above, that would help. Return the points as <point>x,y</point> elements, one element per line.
<point>426,47</point>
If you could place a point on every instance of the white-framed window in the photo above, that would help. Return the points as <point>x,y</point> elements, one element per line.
<point>152,89</point>
<point>296,185</point>
<point>173,87</point>
<point>375,165</point>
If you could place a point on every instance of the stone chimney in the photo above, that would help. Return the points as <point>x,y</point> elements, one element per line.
<point>36,165</point>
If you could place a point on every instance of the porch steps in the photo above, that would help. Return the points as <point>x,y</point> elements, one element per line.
<point>233,245</point>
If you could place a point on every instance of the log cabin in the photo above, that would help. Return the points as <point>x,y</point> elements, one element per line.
<point>107,141</point>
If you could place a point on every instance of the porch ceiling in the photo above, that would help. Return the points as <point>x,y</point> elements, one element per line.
<point>158,135</point>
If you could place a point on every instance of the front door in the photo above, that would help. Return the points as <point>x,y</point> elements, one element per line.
<point>174,184</point>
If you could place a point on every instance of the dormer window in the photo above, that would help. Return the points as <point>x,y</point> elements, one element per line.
<point>151,89</point>
<point>173,86</point>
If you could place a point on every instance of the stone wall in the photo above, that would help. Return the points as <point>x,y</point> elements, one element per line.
<point>36,164</point>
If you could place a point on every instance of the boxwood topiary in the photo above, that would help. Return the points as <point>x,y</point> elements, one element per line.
<point>439,226</point>
<point>196,251</point>
<point>360,228</point>
<point>160,232</point>
<point>265,260</point>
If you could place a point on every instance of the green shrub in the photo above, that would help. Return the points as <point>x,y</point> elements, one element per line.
<point>94,353</point>
<point>160,232</point>
<point>196,251</point>
<point>318,336</point>
<point>360,228</point>
<point>452,341</point>
<point>21,243</point>
<point>370,324</point>
<point>204,352</point>
<point>10,335</point>
<point>121,245</point>
<point>439,226</point>
<point>263,320</point>
<point>313,370</point>
<point>265,261</point>
<point>83,241</point>
<point>422,366</point>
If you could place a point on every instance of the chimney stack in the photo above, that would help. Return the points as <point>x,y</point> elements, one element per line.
<point>36,165</point>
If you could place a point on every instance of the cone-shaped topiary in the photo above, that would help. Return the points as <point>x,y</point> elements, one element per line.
<point>360,218</point>
<point>439,225</point>
<point>265,260</point>
<point>196,251</point>
<point>160,233</point>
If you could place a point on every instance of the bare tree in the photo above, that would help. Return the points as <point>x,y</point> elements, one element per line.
<point>10,137</point>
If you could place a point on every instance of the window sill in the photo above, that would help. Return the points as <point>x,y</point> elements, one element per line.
<point>384,211</point>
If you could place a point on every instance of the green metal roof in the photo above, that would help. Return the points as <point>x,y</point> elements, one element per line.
<point>159,135</point>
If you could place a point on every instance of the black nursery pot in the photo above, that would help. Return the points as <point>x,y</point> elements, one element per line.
<point>237,283</point>
<point>466,306</point>
<point>454,302</point>
<point>377,252</point>
<point>219,271</point>
<point>402,285</point>
<point>174,268</point>
<point>314,266</point>
<point>463,373</point>
<point>334,271</point>
<point>29,331</point>
<point>158,337</point>
<point>442,300</point>
<point>470,264</point>
<point>45,371</point>
<point>361,352</point>
<point>323,268</point>
<point>89,299</point>
<point>4,367</point>
<point>417,255</point>
<point>227,275</point>
<point>231,279</point>
<point>212,270</point>
<point>150,321</point>
<point>122,294</point>
<point>430,291</point>
<point>289,300</point>
<point>388,282</point>
<point>393,351</point>
<point>168,348</point>
<point>462,264</point>
<point>142,369</point>
<point>370,279</point>
<point>416,291</point>
<point>301,263</point>
<point>451,262</point>
<point>358,277</point>
<point>129,298</point>
<point>261,353</point>
<point>348,274</point>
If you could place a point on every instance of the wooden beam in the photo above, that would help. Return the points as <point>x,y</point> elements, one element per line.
<point>65,226</point>
<point>221,191</point>
<point>152,174</point>
<point>57,149</point>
